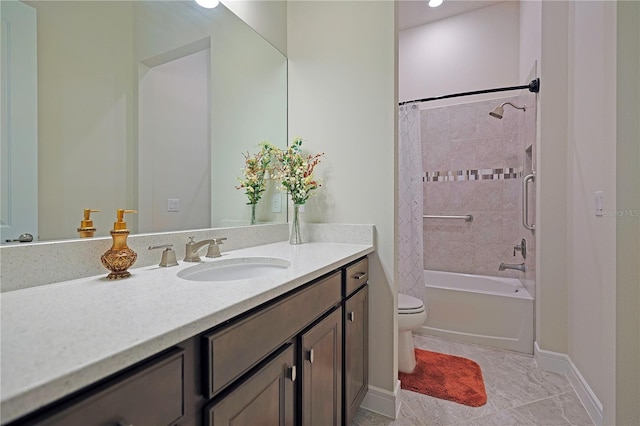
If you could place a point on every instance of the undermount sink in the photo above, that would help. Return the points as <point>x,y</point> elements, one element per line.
<point>240,268</point>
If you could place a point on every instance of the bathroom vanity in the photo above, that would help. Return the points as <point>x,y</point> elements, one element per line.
<point>290,348</point>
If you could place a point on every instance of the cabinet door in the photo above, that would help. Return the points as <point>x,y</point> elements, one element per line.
<point>267,398</point>
<point>356,351</point>
<point>322,372</point>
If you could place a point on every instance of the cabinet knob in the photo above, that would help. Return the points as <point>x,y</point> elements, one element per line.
<point>352,316</point>
<point>292,373</point>
<point>311,356</point>
<point>360,275</point>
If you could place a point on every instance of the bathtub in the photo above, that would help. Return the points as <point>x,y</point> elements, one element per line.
<point>490,311</point>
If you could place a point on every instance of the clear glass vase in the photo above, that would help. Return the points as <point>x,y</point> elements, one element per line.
<point>296,236</point>
<point>253,213</point>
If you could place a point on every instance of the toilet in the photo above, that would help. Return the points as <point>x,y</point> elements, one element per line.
<point>411,315</point>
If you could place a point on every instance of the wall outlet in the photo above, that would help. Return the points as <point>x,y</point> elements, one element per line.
<point>276,203</point>
<point>173,205</point>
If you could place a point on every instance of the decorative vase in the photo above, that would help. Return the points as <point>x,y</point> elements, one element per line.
<point>296,237</point>
<point>253,213</point>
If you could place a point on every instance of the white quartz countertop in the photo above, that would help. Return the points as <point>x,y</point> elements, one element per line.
<point>59,338</point>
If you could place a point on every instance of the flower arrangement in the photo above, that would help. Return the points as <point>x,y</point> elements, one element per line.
<point>256,172</point>
<point>296,171</point>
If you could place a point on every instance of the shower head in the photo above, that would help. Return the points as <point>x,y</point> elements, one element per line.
<point>498,112</point>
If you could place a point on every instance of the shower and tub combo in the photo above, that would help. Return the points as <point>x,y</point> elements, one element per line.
<point>455,251</point>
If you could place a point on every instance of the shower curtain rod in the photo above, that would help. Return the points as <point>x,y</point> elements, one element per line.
<point>533,87</point>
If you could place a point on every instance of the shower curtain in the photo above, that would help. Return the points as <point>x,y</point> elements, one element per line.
<point>410,203</point>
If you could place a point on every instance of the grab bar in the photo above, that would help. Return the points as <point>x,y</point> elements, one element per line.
<point>466,217</point>
<point>525,200</point>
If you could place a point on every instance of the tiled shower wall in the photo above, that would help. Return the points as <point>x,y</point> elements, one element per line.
<point>474,164</point>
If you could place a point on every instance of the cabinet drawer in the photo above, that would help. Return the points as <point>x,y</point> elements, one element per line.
<point>356,276</point>
<point>151,394</point>
<point>230,352</point>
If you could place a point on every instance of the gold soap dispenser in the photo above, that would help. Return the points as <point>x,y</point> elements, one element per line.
<point>87,229</point>
<point>119,257</point>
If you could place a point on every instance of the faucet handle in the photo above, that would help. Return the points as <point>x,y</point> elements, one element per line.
<point>192,240</point>
<point>168,255</point>
<point>214,247</point>
<point>522,248</point>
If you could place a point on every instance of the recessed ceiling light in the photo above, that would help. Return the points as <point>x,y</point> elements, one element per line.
<point>435,3</point>
<point>210,4</point>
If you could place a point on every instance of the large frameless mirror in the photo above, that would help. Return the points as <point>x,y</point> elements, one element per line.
<point>145,105</point>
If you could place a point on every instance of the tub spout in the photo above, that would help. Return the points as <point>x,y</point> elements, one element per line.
<point>517,266</point>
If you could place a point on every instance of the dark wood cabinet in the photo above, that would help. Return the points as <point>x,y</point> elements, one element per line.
<point>150,394</point>
<point>322,372</point>
<point>300,359</point>
<point>266,398</point>
<point>356,351</point>
<point>232,350</point>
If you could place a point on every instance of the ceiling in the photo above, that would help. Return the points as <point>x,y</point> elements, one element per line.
<point>416,12</point>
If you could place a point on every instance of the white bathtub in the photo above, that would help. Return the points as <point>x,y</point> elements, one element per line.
<point>490,311</point>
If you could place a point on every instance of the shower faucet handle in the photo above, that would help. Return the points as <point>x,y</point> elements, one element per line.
<point>522,248</point>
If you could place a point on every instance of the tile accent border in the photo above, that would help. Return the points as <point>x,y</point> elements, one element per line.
<point>473,174</point>
<point>562,363</point>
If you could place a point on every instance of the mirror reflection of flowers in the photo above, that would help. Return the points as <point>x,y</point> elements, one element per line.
<point>256,172</point>
<point>296,171</point>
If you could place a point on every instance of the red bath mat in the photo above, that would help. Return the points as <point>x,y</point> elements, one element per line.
<point>446,377</point>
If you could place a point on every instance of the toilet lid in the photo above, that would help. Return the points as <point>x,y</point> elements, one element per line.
<point>409,304</point>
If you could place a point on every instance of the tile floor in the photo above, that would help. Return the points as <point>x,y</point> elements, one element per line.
<point>518,393</point>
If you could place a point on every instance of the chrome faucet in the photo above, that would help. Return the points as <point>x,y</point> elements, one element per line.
<point>517,266</point>
<point>191,249</point>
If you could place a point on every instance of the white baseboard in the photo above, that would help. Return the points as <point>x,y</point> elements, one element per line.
<point>382,401</point>
<point>561,363</point>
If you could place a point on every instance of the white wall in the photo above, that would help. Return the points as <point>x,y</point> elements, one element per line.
<point>472,51</point>
<point>174,145</point>
<point>551,186</point>
<point>342,102</point>
<point>628,225</point>
<point>269,18</point>
<point>588,299</point>
<point>530,36</point>
<point>591,155</point>
<point>248,92</point>
<point>85,132</point>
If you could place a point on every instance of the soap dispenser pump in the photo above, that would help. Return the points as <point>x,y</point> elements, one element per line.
<point>86,228</point>
<point>119,257</point>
